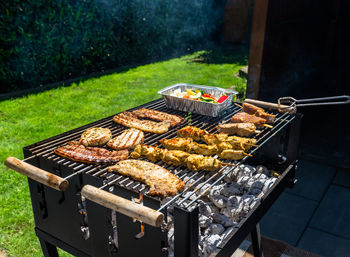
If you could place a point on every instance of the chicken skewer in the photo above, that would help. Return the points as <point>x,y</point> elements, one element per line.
<point>177,158</point>
<point>197,134</point>
<point>244,129</point>
<point>187,145</point>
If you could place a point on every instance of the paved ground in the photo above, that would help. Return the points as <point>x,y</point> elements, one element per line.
<point>315,214</point>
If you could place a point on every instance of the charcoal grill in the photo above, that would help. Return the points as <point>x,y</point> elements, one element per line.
<point>65,219</point>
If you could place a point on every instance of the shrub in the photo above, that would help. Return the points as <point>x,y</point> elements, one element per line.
<point>49,41</point>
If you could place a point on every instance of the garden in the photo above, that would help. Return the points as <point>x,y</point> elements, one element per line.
<point>136,48</point>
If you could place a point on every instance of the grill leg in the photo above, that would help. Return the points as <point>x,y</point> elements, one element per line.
<point>49,250</point>
<point>256,241</point>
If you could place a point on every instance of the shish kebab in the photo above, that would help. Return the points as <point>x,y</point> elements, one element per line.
<point>188,145</point>
<point>198,134</point>
<point>177,158</point>
<point>253,114</point>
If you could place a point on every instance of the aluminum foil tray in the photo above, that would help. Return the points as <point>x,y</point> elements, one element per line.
<point>189,105</point>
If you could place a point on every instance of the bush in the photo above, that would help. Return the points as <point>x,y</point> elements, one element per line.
<point>49,41</point>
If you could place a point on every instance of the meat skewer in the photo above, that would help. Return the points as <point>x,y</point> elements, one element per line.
<point>243,117</point>
<point>244,129</point>
<point>233,154</point>
<point>161,181</point>
<point>158,116</point>
<point>177,158</point>
<point>197,134</point>
<point>80,153</point>
<point>188,145</point>
<point>259,112</point>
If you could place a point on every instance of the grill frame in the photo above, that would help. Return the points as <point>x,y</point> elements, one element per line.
<point>48,203</point>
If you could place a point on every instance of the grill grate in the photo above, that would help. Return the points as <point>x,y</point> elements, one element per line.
<point>45,150</point>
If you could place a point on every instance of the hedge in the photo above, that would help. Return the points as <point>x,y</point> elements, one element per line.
<point>48,41</point>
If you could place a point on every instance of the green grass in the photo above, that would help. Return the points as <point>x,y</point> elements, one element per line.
<point>26,120</point>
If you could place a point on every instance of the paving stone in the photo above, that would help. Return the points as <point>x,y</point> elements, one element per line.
<point>342,178</point>
<point>287,218</point>
<point>324,244</point>
<point>333,214</point>
<point>313,179</point>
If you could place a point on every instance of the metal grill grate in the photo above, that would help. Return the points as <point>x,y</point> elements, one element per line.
<point>45,150</point>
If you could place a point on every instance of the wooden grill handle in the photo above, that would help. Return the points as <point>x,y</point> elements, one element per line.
<point>37,174</point>
<point>123,206</point>
<point>273,106</point>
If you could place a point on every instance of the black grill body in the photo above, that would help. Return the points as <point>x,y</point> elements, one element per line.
<point>62,218</point>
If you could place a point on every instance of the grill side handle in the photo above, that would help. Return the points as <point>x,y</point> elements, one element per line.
<point>37,174</point>
<point>123,206</point>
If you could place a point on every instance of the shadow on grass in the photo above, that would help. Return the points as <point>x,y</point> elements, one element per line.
<point>227,54</point>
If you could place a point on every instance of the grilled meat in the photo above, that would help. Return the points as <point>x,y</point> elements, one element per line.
<point>161,181</point>
<point>259,112</point>
<point>224,146</point>
<point>177,158</point>
<point>200,162</point>
<point>237,143</point>
<point>128,139</point>
<point>231,154</point>
<point>174,157</point>
<point>177,143</point>
<point>81,153</point>
<point>243,117</point>
<point>192,132</point>
<point>240,129</point>
<point>204,149</point>
<point>130,120</point>
<point>158,116</point>
<point>150,152</point>
<point>95,136</point>
<point>214,139</point>
<point>241,143</point>
<point>187,145</point>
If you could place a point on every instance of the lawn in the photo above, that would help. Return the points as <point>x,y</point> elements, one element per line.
<point>29,119</point>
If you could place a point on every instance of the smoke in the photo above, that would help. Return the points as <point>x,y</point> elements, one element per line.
<point>64,39</point>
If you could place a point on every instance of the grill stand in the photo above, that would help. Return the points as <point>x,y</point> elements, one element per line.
<point>186,234</point>
<point>49,245</point>
<point>256,241</point>
<point>58,222</point>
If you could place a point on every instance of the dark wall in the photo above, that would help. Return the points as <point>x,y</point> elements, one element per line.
<point>306,49</point>
<point>306,55</point>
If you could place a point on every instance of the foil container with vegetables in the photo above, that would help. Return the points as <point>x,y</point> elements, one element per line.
<point>205,100</point>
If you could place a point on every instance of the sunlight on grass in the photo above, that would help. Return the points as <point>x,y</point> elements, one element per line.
<point>26,120</point>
